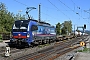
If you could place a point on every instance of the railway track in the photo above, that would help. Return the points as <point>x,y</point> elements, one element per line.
<point>52,52</point>
<point>44,54</point>
<point>3,50</point>
<point>12,50</point>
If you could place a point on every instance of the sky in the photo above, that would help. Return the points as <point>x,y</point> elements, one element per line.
<point>54,11</point>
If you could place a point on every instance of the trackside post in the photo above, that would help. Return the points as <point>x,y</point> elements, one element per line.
<point>7,51</point>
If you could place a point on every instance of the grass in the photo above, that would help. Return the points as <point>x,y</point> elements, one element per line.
<point>1,40</point>
<point>84,50</point>
<point>40,46</point>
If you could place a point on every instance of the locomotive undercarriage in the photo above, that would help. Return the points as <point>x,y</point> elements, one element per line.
<point>18,42</point>
<point>37,40</point>
<point>44,39</point>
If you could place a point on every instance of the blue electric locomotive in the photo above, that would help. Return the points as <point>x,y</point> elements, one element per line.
<point>28,32</point>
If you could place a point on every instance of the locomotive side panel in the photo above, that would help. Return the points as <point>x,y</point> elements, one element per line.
<point>44,34</point>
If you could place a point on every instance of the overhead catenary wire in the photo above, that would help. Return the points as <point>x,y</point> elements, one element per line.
<point>53,5</point>
<point>49,15</point>
<point>66,6</point>
<point>58,9</point>
<point>20,3</point>
<point>27,6</point>
<point>77,7</point>
<point>53,9</point>
<point>74,4</point>
<point>73,10</point>
<point>81,9</point>
<point>49,8</point>
<point>69,8</point>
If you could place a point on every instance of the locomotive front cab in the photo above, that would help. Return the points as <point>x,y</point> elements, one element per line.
<point>22,32</point>
<point>19,32</point>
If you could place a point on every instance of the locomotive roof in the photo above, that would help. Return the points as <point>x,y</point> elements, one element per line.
<point>40,23</point>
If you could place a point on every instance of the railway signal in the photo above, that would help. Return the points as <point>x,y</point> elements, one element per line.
<point>82,43</point>
<point>84,26</point>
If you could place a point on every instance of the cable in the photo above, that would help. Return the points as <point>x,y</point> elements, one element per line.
<point>66,6</point>
<point>20,3</point>
<point>74,4</point>
<point>69,8</point>
<point>48,15</point>
<point>26,5</point>
<point>58,9</point>
<point>84,11</point>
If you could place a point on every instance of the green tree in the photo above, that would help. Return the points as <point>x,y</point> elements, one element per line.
<point>66,27</point>
<point>19,17</point>
<point>63,30</point>
<point>58,28</point>
<point>6,19</point>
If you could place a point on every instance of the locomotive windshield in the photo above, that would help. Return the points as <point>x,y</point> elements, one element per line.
<point>20,26</point>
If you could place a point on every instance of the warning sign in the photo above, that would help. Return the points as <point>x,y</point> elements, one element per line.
<point>82,44</point>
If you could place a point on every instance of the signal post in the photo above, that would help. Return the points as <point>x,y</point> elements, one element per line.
<point>82,44</point>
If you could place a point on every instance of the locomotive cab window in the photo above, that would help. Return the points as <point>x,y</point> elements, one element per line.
<point>34,27</point>
<point>20,26</point>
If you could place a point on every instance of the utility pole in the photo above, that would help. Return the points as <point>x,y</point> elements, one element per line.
<point>39,13</point>
<point>74,30</point>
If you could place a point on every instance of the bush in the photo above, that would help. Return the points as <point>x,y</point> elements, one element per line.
<point>0,38</point>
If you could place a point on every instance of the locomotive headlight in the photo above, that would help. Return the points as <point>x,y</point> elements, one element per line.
<point>28,35</point>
